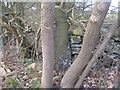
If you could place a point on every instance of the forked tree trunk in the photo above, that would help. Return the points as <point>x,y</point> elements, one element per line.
<point>89,43</point>
<point>47,36</point>
<point>97,54</point>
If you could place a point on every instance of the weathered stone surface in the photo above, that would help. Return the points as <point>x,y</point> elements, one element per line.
<point>61,38</point>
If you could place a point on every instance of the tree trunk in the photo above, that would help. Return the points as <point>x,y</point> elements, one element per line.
<point>47,37</point>
<point>97,54</point>
<point>1,48</point>
<point>89,43</point>
<point>1,39</point>
<point>1,45</point>
<point>1,56</point>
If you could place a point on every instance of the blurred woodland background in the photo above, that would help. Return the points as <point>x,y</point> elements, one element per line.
<point>21,56</point>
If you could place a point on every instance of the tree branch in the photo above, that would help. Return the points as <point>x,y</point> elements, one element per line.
<point>12,30</point>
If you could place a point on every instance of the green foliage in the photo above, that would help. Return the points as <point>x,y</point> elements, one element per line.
<point>11,82</point>
<point>102,84</point>
<point>27,72</point>
<point>19,76</point>
<point>78,31</point>
<point>118,83</point>
<point>35,74</point>
<point>34,84</point>
<point>27,61</point>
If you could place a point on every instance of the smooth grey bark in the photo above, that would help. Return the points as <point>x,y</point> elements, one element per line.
<point>1,47</point>
<point>97,54</point>
<point>1,39</point>
<point>47,39</point>
<point>89,43</point>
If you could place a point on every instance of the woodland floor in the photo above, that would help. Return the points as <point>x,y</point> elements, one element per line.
<point>104,74</point>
